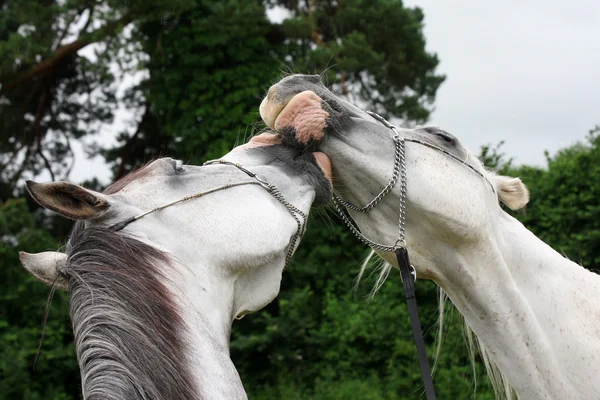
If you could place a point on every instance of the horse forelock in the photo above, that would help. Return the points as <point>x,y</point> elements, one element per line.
<point>128,332</point>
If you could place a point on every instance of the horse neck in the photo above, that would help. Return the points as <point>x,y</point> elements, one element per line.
<point>530,308</point>
<point>205,305</point>
<point>145,325</point>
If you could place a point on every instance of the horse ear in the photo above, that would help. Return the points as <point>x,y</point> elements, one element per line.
<point>67,199</point>
<point>45,267</point>
<point>511,191</point>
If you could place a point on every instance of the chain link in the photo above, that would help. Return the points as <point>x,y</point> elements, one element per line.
<point>395,174</point>
<point>358,233</point>
<point>272,189</point>
<point>293,211</point>
<point>399,171</point>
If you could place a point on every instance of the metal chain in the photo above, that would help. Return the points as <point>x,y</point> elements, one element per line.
<point>399,151</point>
<point>399,171</point>
<point>402,212</point>
<point>301,225</point>
<point>272,189</point>
<point>358,233</point>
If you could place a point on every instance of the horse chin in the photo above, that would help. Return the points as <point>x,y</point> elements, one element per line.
<point>322,182</point>
<point>295,159</point>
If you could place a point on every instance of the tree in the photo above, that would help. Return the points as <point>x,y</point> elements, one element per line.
<point>49,95</point>
<point>55,374</point>
<point>211,66</point>
<point>564,210</point>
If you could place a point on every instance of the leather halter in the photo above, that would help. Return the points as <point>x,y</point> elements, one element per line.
<point>257,180</point>
<point>407,271</point>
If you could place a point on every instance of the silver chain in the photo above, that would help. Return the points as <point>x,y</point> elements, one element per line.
<point>399,171</point>
<point>272,189</point>
<point>301,225</point>
<point>399,153</point>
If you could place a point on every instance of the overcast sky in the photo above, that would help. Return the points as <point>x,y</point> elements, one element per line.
<point>528,74</point>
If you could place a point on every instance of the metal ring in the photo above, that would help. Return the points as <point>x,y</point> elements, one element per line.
<point>400,244</point>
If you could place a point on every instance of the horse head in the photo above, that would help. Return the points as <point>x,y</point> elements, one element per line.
<point>450,197</point>
<point>153,294</point>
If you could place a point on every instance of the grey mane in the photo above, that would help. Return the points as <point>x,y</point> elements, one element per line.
<point>126,325</point>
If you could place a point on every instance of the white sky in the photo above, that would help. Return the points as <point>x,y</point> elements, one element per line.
<point>526,72</point>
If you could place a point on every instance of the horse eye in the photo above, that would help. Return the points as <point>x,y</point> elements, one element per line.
<point>445,136</point>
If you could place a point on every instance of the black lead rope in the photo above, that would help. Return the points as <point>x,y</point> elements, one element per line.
<point>411,302</point>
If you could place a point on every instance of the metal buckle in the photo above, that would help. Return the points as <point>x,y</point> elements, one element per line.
<point>413,272</point>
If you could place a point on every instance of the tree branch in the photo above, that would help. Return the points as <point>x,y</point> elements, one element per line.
<point>46,162</point>
<point>87,23</point>
<point>46,66</point>
<point>19,172</point>
<point>70,168</point>
<point>65,31</point>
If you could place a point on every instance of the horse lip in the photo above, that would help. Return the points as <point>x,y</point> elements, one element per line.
<point>270,108</point>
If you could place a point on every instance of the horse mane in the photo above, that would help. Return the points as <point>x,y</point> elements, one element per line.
<point>126,324</point>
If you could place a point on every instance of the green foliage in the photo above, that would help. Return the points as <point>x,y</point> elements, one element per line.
<point>214,68</point>
<point>49,94</point>
<point>564,210</point>
<point>376,50</point>
<point>493,158</point>
<point>211,66</point>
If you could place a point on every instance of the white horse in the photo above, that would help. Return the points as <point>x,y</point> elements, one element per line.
<point>152,299</point>
<point>536,312</point>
